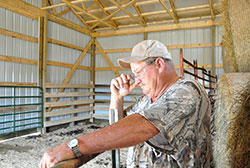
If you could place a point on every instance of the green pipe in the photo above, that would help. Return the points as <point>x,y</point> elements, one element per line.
<point>18,97</point>
<point>34,104</point>
<point>20,125</point>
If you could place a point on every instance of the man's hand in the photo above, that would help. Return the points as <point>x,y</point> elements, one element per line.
<point>55,155</point>
<point>121,86</point>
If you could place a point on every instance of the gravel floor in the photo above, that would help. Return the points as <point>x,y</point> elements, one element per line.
<point>26,152</point>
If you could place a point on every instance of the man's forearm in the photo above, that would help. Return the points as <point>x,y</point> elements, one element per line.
<point>129,131</point>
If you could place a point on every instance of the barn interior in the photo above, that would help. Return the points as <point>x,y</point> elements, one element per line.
<point>57,58</point>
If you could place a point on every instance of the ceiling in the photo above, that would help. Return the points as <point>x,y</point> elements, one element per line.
<point>100,15</point>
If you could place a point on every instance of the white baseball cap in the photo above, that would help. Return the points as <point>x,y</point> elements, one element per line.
<point>144,50</point>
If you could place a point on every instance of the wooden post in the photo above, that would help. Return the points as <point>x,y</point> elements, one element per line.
<point>213,50</point>
<point>43,41</point>
<point>93,48</point>
<point>145,35</point>
<point>195,69</point>
<point>181,63</point>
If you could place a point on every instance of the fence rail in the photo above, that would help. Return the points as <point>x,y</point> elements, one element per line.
<point>20,109</point>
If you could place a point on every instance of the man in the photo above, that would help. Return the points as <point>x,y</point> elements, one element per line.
<point>170,123</point>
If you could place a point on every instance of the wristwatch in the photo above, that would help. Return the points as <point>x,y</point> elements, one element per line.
<point>73,145</point>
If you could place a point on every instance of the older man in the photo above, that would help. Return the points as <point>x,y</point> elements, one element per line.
<point>169,125</point>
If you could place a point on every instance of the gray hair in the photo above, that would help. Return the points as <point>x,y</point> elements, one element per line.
<point>168,62</point>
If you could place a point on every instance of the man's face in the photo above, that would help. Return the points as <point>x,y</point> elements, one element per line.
<point>145,76</point>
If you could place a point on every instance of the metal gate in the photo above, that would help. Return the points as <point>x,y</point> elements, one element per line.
<point>20,108</point>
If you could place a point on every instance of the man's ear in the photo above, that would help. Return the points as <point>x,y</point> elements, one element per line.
<point>160,63</point>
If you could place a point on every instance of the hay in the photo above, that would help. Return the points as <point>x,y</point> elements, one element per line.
<point>239,14</point>
<point>229,61</point>
<point>236,35</point>
<point>231,88</point>
<point>239,139</point>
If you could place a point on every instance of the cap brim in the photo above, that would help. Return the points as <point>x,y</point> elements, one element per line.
<point>125,62</point>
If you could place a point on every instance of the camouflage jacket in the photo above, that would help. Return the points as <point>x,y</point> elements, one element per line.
<point>182,115</point>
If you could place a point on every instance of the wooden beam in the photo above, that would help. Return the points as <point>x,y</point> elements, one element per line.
<point>101,5</point>
<point>17,84</point>
<point>53,9</point>
<point>61,4</point>
<point>107,58</point>
<point>213,50</point>
<point>139,14</point>
<point>66,103</point>
<point>127,12</point>
<point>211,6</point>
<point>174,11</point>
<point>68,24</point>
<point>68,85</point>
<point>170,47</point>
<point>30,11</point>
<point>68,94</point>
<point>86,13</point>
<point>18,60</point>
<point>79,17</point>
<point>168,11</point>
<point>18,35</point>
<point>176,66</point>
<point>179,26</point>
<point>112,14</point>
<point>35,62</point>
<point>72,71</point>
<point>66,112</point>
<point>63,12</point>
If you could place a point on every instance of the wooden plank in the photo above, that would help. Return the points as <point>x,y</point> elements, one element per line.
<point>79,17</point>
<point>176,46</point>
<point>174,11</point>
<point>17,84</point>
<point>63,12</point>
<point>107,104</point>
<point>168,11</point>
<point>67,85</point>
<point>67,65</point>
<point>87,13</point>
<point>101,5</point>
<point>18,60</point>
<point>68,24</point>
<point>106,58</point>
<point>127,12</point>
<point>65,112</point>
<point>18,35</point>
<point>211,7</point>
<point>106,116</point>
<point>61,43</point>
<point>102,108</point>
<point>66,120</point>
<point>67,94</point>
<point>179,26</point>
<point>61,4</point>
<point>66,103</point>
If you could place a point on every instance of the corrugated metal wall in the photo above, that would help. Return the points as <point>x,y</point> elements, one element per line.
<point>188,36</point>
<point>13,47</point>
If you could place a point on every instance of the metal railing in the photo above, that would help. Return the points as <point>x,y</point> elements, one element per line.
<point>20,108</point>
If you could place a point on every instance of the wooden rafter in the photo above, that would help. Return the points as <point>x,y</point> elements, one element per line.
<point>211,6</point>
<point>74,68</point>
<point>53,9</point>
<point>63,12</point>
<point>112,14</point>
<point>179,26</point>
<point>92,7</point>
<point>168,11</point>
<point>127,12</point>
<point>79,17</point>
<point>101,5</point>
<point>62,4</point>
<point>173,10</point>
<point>106,58</point>
<point>87,13</point>
<point>139,14</point>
